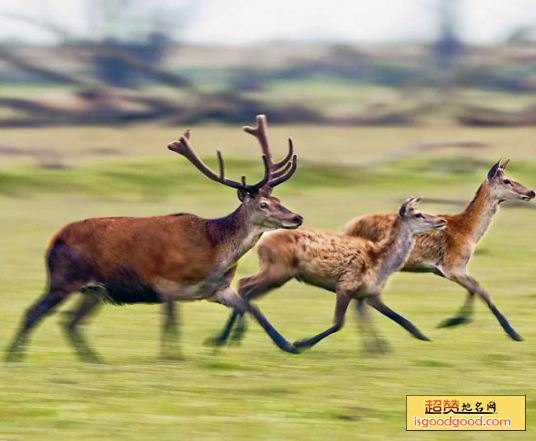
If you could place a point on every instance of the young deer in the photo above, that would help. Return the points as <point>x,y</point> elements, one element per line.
<point>163,259</point>
<point>447,252</point>
<point>352,267</point>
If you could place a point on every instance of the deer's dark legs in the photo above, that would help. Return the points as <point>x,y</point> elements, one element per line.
<point>373,343</point>
<point>473,286</point>
<point>376,303</point>
<point>44,306</point>
<point>230,298</point>
<point>249,288</point>
<point>169,331</point>
<point>221,338</point>
<point>341,305</point>
<point>463,315</point>
<point>276,337</point>
<point>87,306</point>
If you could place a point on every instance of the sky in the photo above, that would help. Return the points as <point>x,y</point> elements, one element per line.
<point>245,22</point>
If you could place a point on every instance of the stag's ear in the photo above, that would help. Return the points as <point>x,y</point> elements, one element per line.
<point>505,164</point>
<point>406,206</point>
<point>494,170</point>
<point>242,194</point>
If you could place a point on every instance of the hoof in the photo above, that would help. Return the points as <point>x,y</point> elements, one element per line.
<point>92,359</point>
<point>13,357</point>
<point>214,342</point>
<point>171,357</point>
<point>377,347</point>
<point>235,342</point>
<point>515,336</point>
<point>454,321</point>
<point>302,345</point>
<point>290,348</point>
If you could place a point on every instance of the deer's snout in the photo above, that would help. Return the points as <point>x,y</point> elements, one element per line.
<point>299,219</point>
<point>293,222</point>
<point>441,223</point>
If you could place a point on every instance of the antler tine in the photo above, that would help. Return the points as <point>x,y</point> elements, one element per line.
<point>282,171</point>
<point>222,165</point>
<point>286,159</point>
<point>260,132</point>
<point>266,178</point>
<point>184,148</point>
<point>283,178</point>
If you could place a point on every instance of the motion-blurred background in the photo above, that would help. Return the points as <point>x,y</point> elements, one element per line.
<point>384,99</point>
<point>356,63</point>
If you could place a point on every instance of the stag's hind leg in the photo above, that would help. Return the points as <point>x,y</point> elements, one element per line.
<point>86,307</point>
<point>44,306</point>
<point>170,334</point>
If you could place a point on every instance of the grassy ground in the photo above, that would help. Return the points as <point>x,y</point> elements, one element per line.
<point>331,392</point>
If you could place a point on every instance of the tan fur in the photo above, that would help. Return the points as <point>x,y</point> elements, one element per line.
<point>448,252</point>
<point>352,267</point>
<point>321,258</point>
<point>445,250</point>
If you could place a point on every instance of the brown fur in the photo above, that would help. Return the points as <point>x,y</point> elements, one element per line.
<point>163,258</point>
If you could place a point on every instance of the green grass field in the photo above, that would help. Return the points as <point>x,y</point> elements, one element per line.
<point>334,391</point>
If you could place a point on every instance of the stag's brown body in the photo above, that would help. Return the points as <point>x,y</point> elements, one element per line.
<point>153,259</point>
<point>447,252</point>
<point>163,259</point>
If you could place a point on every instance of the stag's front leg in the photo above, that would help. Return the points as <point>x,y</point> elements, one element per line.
<point>230,298</point>
<point>269,278</point>
<point>221,338</point>
<point>341,305</point>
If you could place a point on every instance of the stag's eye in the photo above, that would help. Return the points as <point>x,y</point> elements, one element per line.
<point>263,205</point>
<point>507,181</point>
<point>419,215</point>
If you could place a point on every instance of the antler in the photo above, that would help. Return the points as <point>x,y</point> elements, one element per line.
<point>274,173</point>
<point>184,148</point>
<point>279,171</point>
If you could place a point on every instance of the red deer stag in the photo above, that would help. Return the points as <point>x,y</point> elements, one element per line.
<point>447,253</point>
<point>352,267</point>
<point>163,259</point>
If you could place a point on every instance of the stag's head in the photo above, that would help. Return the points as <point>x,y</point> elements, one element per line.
<point>504,188</point>
<point>417,220</point>
<point>263,209</point>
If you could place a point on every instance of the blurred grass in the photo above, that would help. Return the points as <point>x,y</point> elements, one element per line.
<point>331,392</point>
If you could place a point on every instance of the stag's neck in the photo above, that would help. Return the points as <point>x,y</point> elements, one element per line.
<point>233,235</point>
<point>395,249</point>
<point>478,214</point>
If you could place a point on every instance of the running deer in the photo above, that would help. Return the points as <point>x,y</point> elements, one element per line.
<point>352,267</point>
<point>163,259</point>
<point>447,252</point>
